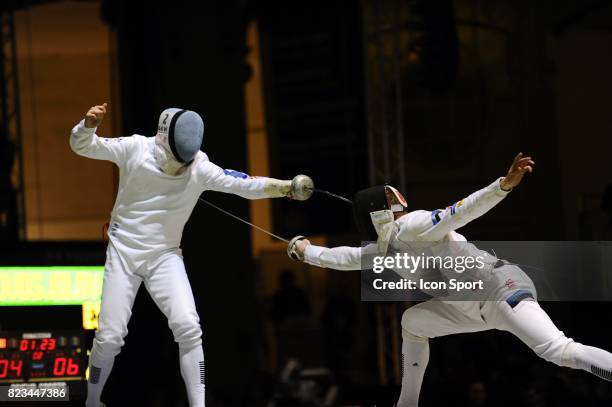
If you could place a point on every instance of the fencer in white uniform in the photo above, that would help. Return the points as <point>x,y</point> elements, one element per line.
<point>160,180</point>
<point>509,303</point>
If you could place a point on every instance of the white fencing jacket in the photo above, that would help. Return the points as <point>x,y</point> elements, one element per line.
<point>421,228</point>
<point>152,207</point>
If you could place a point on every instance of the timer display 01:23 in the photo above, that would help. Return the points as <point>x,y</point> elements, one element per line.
<point>41,356</point>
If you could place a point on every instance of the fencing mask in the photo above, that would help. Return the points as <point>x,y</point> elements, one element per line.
<point>179,138</point>
<point>375,206</point>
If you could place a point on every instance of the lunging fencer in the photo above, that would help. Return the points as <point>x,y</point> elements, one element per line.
<point>509,304</point>
<point>160,181</point>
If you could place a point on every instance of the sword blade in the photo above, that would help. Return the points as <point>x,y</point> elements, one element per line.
<point>243,221</point>
<point>333,195</point>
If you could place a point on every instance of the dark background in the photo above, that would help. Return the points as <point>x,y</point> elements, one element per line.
<point>516,76</point>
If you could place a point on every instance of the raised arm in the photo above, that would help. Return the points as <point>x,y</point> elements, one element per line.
<point>434,225</point>
<point>85,142</point>
<point>215,178</point>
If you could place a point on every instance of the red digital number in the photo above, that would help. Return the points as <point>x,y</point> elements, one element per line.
<point>63,366</point>
<point>38,355</point>
<point>59,367</point>
<point>16,367</point>
<point>45,344</point>
<point>73,368</point>
<point>3,368</point>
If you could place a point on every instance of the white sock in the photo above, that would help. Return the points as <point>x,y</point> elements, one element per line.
<point>192,370</point>
<point>98,373</point>
<point>415,356</point>
<point>594,360</point>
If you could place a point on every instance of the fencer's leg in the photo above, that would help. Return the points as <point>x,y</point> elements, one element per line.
<point>415,357</point>
<point>533,326</point>
<point>118,293</point>
<point>429,320</point>
<point>592,359</point>
<point>192,371</point>
<point>169,287</point>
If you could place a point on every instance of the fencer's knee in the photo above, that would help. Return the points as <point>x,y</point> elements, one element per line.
<point>409,337</point>
<point>410,331</point>
<point>106,344</point>
<point>559,351</point>
<point>187,333</point>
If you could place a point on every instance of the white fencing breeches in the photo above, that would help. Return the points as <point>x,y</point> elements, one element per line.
<point>166,281</point>
<point>527,320</point>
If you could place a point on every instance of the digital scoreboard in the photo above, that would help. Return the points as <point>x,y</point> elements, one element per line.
<point>51,356</point>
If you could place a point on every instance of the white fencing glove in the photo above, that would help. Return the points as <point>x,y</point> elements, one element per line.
<point>300,188</point>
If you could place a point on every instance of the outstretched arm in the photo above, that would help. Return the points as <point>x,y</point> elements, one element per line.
<point>434,225</point>
<point>85,142</point>
<point>234,182</point>
<point>338,258</point>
